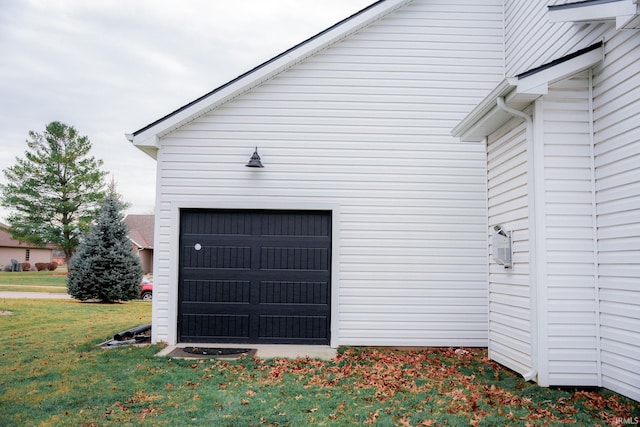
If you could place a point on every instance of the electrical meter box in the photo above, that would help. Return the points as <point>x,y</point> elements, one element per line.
<point>501,247</point>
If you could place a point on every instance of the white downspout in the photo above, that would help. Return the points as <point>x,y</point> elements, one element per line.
<point>533,296</point>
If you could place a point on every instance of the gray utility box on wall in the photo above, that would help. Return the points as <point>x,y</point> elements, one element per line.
<point>501,251</point>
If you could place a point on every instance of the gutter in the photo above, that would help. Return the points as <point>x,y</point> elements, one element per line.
<point>533,295</point>
<point>483,109</point>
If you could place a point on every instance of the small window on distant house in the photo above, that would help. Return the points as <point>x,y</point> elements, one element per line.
<point>27,253</point>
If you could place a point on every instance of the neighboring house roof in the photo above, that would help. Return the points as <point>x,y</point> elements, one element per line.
<point>141,230</point>
<point>6,241</point>
<point>146,138</point>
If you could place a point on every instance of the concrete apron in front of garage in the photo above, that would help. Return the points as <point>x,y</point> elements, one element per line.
<point>268,351</point>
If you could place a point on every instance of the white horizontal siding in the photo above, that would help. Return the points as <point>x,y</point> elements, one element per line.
<point>363,125</point>
<point>549,41</point>
<point>617,135</point>
<point>509,303</point>
<point>571,300</point>
<point>579,293</point>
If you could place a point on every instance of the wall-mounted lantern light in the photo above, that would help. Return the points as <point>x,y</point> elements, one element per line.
<point>254,161</point>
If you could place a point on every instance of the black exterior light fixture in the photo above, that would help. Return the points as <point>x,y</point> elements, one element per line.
<point>254,161</point>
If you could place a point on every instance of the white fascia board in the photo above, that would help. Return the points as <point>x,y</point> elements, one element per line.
<point>591,11</point>
<point>263,73</point>
<point>538,83</point>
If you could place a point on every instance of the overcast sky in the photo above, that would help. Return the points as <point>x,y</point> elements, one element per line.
<point>110,67</point>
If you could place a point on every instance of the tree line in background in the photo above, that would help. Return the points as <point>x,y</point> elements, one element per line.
<point>57,195</point>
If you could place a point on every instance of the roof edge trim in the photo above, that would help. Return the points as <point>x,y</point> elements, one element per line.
<point>583,3</point>
<point>560,60</point>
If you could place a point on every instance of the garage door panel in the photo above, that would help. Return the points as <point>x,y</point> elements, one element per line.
<point>298,241</point>
<point>225,291</point>
<point>301,310</point>
<point>293,327</point>
<point>222,308</point>
<point>278,258</point>
<point>204,327</point>
<point>203,223</point>
<point>217,257</point>
<point>274,292</point>
<point>295,224</point>
<point>189,242</point>
<point>265,296</point>
<point>253,276</point>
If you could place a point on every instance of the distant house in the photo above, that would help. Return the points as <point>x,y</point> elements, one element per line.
<point>58,257</point>
<point>435,173</point>
<point>141,236</point>
<point>20,251</point>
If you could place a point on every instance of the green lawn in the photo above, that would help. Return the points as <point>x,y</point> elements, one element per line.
<point>34,281</point>
<point>53,374</point>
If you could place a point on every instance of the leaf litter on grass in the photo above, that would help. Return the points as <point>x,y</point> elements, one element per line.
<point>443,386</point>
<point>370,386</point>
<point>62,378</point>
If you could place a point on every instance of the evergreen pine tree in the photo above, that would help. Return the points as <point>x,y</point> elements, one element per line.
<point>54,190</point>
<point>105,267</point>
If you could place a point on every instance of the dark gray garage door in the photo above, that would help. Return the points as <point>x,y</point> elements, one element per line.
<point>254,276</point>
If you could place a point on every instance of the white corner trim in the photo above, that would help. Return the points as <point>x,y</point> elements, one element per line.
<point>540,291</point>
<point>532,204</point>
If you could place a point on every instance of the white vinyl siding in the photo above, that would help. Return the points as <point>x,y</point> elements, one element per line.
<point>364,126</point>
<point>605,293</point>
<point>551,41</point>
<point>570,305</point>
<point>509,290</point>
<point>617,136</point>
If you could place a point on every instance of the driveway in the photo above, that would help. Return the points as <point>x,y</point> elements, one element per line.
<point>41,295</point>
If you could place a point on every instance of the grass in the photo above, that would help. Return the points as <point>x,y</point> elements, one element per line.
<point>53,374</point>
<point>34,281</point>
